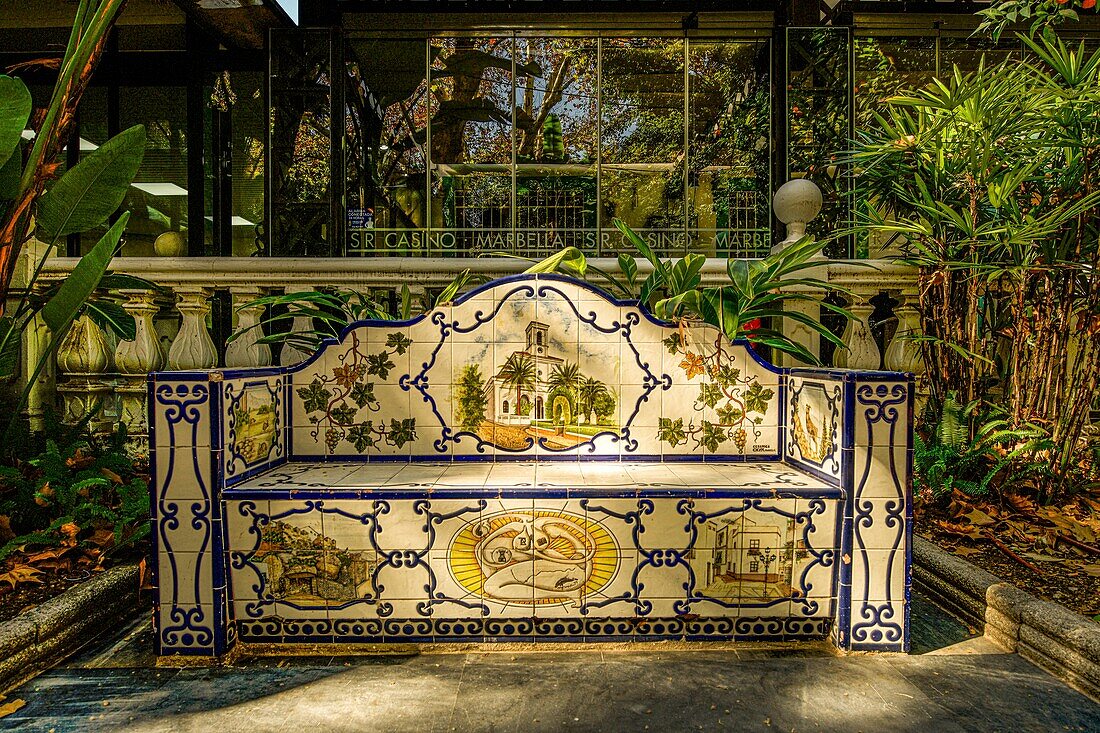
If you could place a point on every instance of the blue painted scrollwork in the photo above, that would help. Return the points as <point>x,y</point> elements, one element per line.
<point>679,557</point>
<point>878,620</point>
<point>188,624</point>
<point>235,460</point>
<point>404,559</point>
<point>419,382</point>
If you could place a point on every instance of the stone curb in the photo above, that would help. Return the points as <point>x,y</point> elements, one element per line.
<point>32,641</point>
<point>1048,635</point>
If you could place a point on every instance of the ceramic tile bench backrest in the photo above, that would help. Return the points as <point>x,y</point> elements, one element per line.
<point>531,368</point>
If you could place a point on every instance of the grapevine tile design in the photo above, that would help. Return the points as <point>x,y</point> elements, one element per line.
<point>528,369</point>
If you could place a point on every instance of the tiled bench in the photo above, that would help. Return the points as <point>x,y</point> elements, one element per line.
<point>534,462</point>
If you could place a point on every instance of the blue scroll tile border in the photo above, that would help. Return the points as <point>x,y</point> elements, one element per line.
<point>237,466</point>
<point>529,286</point>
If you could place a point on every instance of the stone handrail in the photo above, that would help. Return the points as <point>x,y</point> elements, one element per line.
<point>172,332</point>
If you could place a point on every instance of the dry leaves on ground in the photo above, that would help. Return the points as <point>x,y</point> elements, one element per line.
<point>9,707</point>
<point>77,550</point>
<point>20,574</point>
<point>1025,531</point>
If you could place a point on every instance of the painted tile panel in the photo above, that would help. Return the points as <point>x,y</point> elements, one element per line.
<point>254,423</point>
<point>503,560</point>
<point>814,425</point>
<point>540,367</point>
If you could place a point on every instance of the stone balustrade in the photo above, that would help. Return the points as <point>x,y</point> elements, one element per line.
<point>173,329</point>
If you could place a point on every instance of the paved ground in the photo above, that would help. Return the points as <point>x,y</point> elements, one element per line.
<point>952,683</point>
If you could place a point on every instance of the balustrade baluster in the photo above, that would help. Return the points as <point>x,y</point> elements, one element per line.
<point>801,334</point>
<point>862,351</point>
<point>246,351</point>
<point>193,348</point>
<point>135,359</point>
<point>903,354</point>
<point>290,354</point>
<point>82,359</point>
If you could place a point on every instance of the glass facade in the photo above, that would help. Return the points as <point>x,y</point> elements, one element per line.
<point>498,134</point>
<point>461,145</point>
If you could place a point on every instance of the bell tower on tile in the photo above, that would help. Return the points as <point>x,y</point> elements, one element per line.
<point>537,338</point>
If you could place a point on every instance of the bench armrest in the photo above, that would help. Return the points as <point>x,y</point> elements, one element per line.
<point>855,431</point>
<point>208,430</point>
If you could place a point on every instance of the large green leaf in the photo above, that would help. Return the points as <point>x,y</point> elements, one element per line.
<point>93,189</point>
<point>70,298</point>
<point>15,110</point>
<point>10,342</point>
<point>569,258</point>
<point>111,316</point>
<point>123,281</point>
<point>9,178</point>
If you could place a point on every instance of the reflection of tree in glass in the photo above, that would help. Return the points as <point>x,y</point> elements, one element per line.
<point>818,122</point>
<point>565,89</point>
<point>643,100</point>
<point>471,85</point>
<point>730,111</point>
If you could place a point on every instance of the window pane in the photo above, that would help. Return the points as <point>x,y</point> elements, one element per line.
<point>885,67</point>
<point>556,129</point>
<point>471,143</point>
<point>819,123</point>
<point>643,139</point>
<point>249,112</point>
<point>889,66</point>
<point>730,160</point>
<point>157,200</point>
<point>387,100</point>
<point>301,140</point>
<point>967,53</point>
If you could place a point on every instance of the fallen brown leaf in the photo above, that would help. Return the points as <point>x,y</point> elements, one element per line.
<point>43,557</point>
<point>21,574</point>
<point>979,518</point>
<point>102,537</point>
<point>11,706</point>
<point>962,530</point>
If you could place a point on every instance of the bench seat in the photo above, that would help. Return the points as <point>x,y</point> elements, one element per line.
<point>536,461</point>
<point>525,551</point>
<point>341,478</point>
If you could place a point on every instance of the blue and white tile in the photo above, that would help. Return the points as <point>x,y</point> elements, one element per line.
<point>882,413</point>
<point>878,574</point>
<point>885,477</point>
<point>879,523</point>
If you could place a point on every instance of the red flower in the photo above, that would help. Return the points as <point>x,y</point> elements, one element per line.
<point>1088,4</point>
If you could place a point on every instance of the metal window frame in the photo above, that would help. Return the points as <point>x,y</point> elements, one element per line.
<point>709,36</point>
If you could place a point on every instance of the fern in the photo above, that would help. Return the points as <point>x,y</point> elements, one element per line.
<point>66,482</point>
<point>952,428</point>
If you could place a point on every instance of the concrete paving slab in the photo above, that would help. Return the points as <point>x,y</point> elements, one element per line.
<point>963,686</point>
